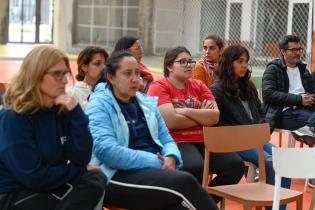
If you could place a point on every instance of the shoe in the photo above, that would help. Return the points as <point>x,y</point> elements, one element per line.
<point>305,131</point>
<point>311,183</point>
<point>305,134</point>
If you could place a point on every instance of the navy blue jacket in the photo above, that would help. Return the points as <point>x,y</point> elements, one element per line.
<point>44,150</point>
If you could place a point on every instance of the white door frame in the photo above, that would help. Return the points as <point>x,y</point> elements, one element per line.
<point>309,27</point>
<point>246,15</point>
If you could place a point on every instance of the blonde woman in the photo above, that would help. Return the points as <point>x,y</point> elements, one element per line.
<point>45,143</point>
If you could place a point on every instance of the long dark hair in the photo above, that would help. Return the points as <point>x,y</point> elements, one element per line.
<point>239,88</point>
<point>112,65</point>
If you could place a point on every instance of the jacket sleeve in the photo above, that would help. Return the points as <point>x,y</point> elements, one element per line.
<point>21,156</point>
<point>106,147</point>
<point>79,145</point>
<point>169,146</point>
<point>272,95</point>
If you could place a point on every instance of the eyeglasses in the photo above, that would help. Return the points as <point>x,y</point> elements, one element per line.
<point>295,50</point>
<point>60,75</point>
<point>139,48</point>
<point>185,63</point>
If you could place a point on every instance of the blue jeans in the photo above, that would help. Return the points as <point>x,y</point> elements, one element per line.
<point>294,118</point>
<point>252,156</point>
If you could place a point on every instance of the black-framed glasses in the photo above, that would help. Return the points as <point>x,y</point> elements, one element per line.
<point>60,75</point>
<point>185,62</point>
<point>295,50</point>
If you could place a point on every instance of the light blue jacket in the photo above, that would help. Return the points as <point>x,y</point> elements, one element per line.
<point>111,134</point>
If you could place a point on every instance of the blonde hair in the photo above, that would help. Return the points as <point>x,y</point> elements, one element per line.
<point>23,93</point>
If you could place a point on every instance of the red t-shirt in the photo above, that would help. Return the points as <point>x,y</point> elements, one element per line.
<point>191,96</point>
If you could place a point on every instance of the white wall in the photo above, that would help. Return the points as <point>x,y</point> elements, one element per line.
<point>63,24</point>
<point>191,25</point>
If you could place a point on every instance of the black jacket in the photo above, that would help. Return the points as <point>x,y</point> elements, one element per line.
<point>275,88</point>
<point>232,111</point>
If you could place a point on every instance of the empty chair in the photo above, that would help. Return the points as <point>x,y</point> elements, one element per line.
<point>239,138</point>
<point>297,157</point>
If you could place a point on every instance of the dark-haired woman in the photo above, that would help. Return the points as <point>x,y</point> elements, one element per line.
<point>133,45</point>
<point>186,105</point>
<point>91,62</point>
<point>238,102</point>
<point>133,147</point>
<point>205,69</point>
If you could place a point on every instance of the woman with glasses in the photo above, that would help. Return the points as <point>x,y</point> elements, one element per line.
<point>133,45</point>
<point>45,142</point>
<point>238,102</point>
<point>186,105</point>
<point>205,69</point>
<point>91,62</point>
<point>133,147</point>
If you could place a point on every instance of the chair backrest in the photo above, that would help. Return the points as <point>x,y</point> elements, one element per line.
<point>236,138</point>
<point>294,162</point>
<point>2,88</point>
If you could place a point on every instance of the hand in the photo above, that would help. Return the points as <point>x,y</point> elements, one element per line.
<point>308,99</point>
<point>148,77</point>
<point>68,101</point>
<point>208,104</point>
<point>169,162</point>
<point>181,110</point>
<point>91,167</point>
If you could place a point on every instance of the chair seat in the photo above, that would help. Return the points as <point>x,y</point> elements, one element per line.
<point>260,194</point>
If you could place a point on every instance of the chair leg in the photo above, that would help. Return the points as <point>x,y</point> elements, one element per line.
<point>222,204</point>
<point>247,207</point>
<point>312,201</point>
<point>305,185</point>
<point>280,139</point>
<point>290,140</point>
<point>299,203</point>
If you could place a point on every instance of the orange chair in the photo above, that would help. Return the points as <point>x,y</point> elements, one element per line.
<point>239,138</point>
<point>2,88</point>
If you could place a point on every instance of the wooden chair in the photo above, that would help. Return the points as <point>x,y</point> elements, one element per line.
<point>301,166</point>
<point>290,140</point>
<point>239,138</point>
<point>2,88</point>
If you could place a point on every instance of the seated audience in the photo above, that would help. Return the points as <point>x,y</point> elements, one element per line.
<point>45,142</point>
<point>91,62</point>
<point>288,90</point>
<point>186,105</point>
<point>238,102</point>
<point>133,45</point>
<point>205,69</point>
<point>133,147</point>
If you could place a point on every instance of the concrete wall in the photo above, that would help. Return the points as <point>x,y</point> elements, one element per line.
<point>145,25</point>
<point>4,8</point>
<point>63,19</point>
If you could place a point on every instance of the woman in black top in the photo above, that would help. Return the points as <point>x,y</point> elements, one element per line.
<point>238,102</point>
